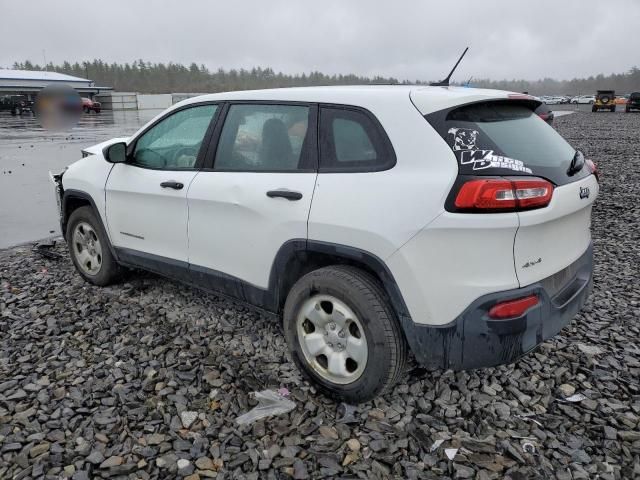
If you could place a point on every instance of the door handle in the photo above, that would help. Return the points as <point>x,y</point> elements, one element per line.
<point>172,184</point>
<point>288,194</point>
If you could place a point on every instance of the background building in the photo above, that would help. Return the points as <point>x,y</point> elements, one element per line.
<point>30,82</point>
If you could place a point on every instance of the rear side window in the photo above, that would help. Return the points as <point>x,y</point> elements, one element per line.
<point>257,137</point>
<point>351,140</point>
<point>503,138</point>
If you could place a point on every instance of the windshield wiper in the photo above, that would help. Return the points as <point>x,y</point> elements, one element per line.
<point>576,163</point>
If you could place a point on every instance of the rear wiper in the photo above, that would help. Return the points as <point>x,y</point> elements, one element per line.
<point>576,163</point>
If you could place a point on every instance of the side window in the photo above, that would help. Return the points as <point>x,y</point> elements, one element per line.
<point>257,137</point>
<point>350,140</point>
<point>174,142</point>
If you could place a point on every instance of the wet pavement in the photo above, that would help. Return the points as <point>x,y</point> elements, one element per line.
<point>28,153</point>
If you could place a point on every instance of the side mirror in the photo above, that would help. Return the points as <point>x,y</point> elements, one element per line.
<point>116,153</point>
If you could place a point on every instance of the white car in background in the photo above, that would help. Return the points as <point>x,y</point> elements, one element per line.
<point>553,100</point>
<point>584,99</point>
<point>449,222</point>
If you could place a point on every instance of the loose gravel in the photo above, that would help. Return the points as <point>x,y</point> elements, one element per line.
<point>145,379</point>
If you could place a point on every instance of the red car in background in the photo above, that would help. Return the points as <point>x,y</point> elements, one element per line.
<point>89,105</point>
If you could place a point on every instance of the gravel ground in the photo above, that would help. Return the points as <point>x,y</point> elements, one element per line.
<point>145,379</point>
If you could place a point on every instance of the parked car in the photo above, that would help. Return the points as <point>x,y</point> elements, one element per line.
<point>622,99</point>
<point>89,105</point>
<point>605,100</point>
<point>545,113</point>
<point>633,103</point>
<point>553,100</point>
<point>584,99</point>
<point>16,104</point>
<point>461,234</point>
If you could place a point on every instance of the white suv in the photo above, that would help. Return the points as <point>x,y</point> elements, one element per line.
<point>451,222</point>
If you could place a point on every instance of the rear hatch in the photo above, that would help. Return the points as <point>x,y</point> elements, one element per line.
<point>503,140</point>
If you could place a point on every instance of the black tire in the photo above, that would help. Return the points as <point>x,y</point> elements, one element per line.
<point>86,109</point>
<point>13,112</point>
<point>613,109</point>
<point>626,110</point>
<point>109,271</point>
<point>386,345</point>
<point>594,109</point>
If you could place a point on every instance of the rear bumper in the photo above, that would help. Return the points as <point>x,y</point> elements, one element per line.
<point>473,340</point>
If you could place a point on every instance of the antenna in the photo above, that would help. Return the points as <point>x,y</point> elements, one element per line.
<point>445,82</point>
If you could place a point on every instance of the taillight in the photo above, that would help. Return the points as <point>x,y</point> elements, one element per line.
<point>499,194</point>
<point>513,308</point>
<point>593,168</point>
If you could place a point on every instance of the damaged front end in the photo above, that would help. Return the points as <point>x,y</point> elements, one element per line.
<point>56,179</point>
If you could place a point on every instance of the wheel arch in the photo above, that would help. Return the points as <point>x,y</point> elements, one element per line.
<point>74,199</point>
<point>298,257</point>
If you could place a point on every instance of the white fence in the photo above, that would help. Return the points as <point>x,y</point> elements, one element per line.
<point>140,101</point>
<point>118,100</point>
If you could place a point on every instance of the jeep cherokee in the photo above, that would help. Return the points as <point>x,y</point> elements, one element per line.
<point>375,220</point>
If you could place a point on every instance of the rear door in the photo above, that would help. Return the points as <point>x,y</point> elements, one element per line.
<point>507,139</point>
<point>146,197</point>
<point>256,196</point>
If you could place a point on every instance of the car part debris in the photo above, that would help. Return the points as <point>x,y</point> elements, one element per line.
<point>270,403</point>
<point>44,249</point>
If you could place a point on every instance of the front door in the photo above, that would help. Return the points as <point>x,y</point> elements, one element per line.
<point>146,197</point>
<point>256,198</point>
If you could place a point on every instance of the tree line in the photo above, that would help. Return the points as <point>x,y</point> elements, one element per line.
<point>147,77</point>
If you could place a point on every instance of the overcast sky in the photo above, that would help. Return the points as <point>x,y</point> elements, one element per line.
<point>404,39</point>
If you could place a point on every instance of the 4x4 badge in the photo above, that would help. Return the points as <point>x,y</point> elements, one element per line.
<point>584,192</point>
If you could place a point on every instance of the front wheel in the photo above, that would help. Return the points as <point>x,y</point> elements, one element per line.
<point>90,249</point>
<point>343,334</point>
<point>594,109</point>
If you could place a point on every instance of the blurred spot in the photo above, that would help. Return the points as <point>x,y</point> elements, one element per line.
<point>58,107</point>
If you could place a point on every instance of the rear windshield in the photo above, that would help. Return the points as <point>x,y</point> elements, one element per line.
<point>635,96</point>
<point>503,138</point>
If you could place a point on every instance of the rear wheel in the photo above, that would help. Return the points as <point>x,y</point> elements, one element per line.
<point>594,109</point>
<point>90,249</point>
<point>343,335</point>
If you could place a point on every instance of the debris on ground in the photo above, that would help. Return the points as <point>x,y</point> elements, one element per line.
<point>270,404</point>
<point>46,249</point>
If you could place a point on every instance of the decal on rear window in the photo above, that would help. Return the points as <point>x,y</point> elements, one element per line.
<point>463,142</point>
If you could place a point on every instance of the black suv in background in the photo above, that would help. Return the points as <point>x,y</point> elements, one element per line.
<point>633,102</point>
<point>16,104</point>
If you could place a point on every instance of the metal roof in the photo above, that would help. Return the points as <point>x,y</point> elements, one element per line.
<point>39,75</point>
